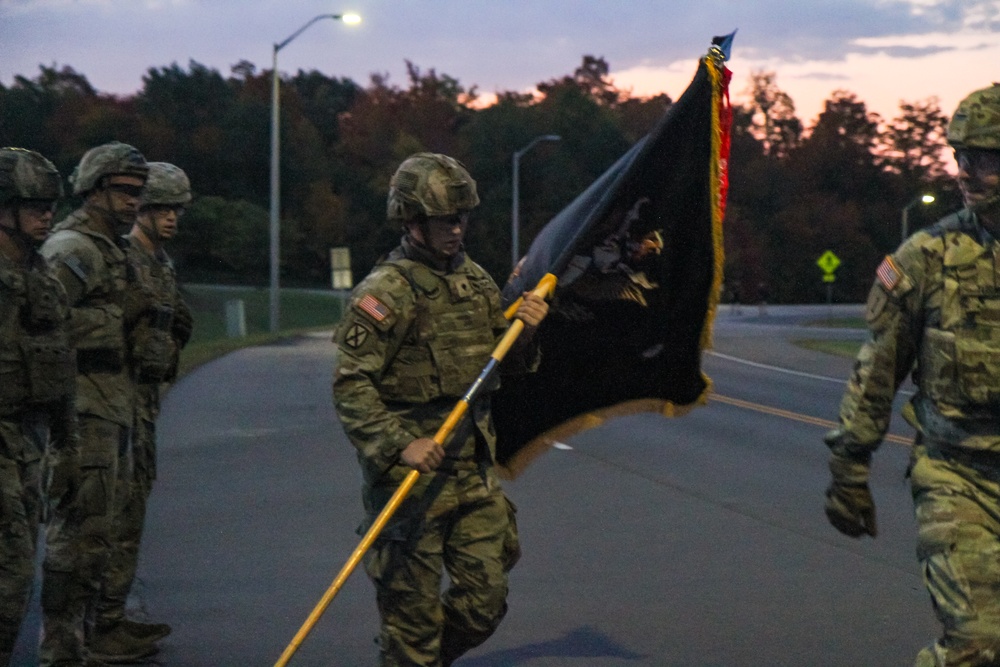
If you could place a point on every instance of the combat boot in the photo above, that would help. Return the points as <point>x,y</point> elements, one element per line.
<point>148,632</point>
<point>113,644</point>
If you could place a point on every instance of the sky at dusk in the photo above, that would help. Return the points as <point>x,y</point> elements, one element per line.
<point>884,51</point>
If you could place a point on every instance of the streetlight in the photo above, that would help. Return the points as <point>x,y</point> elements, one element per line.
<point>275,159</point>
<point>919,199</point>
<point>515,224</point>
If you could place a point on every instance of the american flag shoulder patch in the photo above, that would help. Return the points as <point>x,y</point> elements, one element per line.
<point>377,310</point>
<point>888,273</point>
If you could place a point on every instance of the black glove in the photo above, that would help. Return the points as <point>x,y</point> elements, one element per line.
<point>849,504</point>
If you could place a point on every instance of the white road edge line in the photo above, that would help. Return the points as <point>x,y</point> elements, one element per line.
<point>775,368</point>
<point>789,371</point>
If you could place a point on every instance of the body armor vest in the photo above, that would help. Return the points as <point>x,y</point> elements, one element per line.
<point>151,345</point>
<point>450,339</point>
<point>960,355</point>
<point>37,365</point>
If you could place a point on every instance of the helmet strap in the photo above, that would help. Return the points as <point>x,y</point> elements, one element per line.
<point>423,222</point>
<point>99,200</point>
<point>425,231</point>
<point>989,209</point>
<point>991,204</point>
<point>151,230</point>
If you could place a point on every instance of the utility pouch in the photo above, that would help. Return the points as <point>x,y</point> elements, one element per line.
<point>45,308</point>
<point>13,385</point>
<point>163,317</point>
<point>152,352</point>
<point>51,369</point>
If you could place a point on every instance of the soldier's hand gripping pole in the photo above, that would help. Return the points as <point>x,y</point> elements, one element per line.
<point>544,288</point>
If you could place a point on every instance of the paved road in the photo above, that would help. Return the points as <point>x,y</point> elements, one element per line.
<point>691,542</point>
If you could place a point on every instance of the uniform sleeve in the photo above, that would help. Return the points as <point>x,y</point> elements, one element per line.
<point>78,266</point>
<point>381,311</point>
<point>895,320</point>
<point>76,263</point>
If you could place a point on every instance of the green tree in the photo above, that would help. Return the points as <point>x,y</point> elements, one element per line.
<point>210,136</point>
<point>223,240</point>
<point>61,115</point>
<point>774,121</point>
<point>913,141</point>
<point>755,191</point>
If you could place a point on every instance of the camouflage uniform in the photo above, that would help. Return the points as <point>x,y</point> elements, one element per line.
<point>418,332</point>
<point>155,340</point>
<point>95,273</point>
<point>159,352</point>
<point>37,373</point>
<point>935,309</point>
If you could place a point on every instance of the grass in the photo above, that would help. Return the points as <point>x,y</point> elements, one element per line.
<point>841,348</point>
<point>839,323</point>
<point>312,310</point>
<point>300,310</point>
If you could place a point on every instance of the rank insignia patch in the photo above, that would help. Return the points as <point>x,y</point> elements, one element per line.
<point>356,336</point>
<point>375,308</point>
<point>888,273</point>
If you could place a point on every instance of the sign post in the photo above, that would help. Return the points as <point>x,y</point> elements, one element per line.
<point>340,274</point>
<point>828,263</point>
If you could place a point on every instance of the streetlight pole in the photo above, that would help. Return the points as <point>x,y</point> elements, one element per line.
<point>275,226</point>
<point>515,223</point>
<point>905,225</point>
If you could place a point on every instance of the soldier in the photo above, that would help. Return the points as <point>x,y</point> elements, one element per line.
<point>935,308</point>
<point>87,253</point>
<point>420,328</point>
<point>155,340</point>
<point>37,372</point>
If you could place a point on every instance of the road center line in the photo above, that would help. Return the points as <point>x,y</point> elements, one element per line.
<point>795,416</point>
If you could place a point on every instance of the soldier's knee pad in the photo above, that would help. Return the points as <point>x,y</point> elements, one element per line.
<point>493,601</point>
<point>480,610</point>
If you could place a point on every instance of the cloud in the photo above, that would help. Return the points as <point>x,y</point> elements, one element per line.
<point>510,45</point>
<point>821,76</point>
<point>903,51</point>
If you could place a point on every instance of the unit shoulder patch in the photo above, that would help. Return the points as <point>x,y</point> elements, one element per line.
<point>356,336</point>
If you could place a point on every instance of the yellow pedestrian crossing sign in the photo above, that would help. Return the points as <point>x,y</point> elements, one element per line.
<point>829,263</point>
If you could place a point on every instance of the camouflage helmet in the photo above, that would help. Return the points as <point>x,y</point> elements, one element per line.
<point>976,123</point>
<point>166,185</point>
<point>25,174</point>
<point>432,184</point>
<point>110,159</point>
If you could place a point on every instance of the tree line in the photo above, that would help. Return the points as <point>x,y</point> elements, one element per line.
<point>795,192</point>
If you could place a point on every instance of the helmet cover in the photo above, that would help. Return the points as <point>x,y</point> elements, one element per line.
<point>109,159</point>
<point>167,185</point>
<point>431,184</point>
<point>976,122</point>
<point>26,174</point>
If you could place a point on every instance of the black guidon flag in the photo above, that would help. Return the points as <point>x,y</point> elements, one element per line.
<point>638,257</point>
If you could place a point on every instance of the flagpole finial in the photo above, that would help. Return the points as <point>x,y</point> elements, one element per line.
<point>722,47</point>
